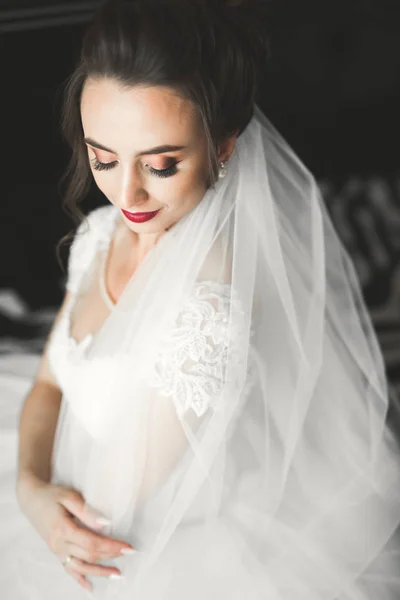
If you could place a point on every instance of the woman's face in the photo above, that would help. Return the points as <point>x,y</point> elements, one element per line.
<point>129,135</point>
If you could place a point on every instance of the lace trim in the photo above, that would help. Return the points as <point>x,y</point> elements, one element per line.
<point>93,233</point>
<point>191,362</point>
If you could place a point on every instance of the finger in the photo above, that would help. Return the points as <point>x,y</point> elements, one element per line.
<point>83,582</point>
<point>96,545</point>
<point>75,504</point>
<point>84,568</point>
<point>79,552</point>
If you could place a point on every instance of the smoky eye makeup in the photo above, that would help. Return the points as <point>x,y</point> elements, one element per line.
<point>164,172</point>
<point>168,172</point>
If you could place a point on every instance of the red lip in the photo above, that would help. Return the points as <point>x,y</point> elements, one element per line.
<point>139,217</point>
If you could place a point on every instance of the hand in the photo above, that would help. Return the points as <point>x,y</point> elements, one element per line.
<point>52,510</point>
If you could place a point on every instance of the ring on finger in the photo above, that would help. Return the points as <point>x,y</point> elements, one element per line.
<point>66,560</point>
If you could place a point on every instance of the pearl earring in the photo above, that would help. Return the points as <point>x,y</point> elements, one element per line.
<point>222,170</point>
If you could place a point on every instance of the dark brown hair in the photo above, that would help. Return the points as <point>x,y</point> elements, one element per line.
<point>211,52</point>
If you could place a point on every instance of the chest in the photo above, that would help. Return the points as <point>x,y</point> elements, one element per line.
<point>118,269</point>
<point>111,273</point>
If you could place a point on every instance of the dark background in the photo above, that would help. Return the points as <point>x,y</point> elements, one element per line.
<point>332,88</point>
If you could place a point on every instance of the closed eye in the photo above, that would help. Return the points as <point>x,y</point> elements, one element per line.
<point>163,172</point>
<point>99,166</point>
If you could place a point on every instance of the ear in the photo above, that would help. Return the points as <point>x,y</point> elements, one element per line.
<point>226,147</point>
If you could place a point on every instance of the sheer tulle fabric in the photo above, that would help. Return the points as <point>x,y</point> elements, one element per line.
<point>231,419</point>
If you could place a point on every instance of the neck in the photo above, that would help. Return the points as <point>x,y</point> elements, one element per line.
<point>142,243</point>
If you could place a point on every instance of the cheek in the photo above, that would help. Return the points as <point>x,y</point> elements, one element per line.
<point>105,182</point>
<point>185,190</point>
<point>195,180</point>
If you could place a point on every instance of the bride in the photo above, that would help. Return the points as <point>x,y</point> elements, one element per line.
<point>209,416</point>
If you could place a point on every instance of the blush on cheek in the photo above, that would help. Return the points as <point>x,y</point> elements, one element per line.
<point>193,191</point>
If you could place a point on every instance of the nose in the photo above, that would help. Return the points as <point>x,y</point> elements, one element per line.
<point>132,194</point>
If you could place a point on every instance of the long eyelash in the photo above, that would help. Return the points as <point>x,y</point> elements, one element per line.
<point>163,172</point>
<point>99,166</point>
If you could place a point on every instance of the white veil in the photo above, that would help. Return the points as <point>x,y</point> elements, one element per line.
<point>278,477</point>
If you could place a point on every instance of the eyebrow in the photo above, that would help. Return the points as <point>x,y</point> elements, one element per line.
<point>155,150</point>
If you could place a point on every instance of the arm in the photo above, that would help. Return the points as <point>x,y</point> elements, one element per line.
<point>167,443</point>
<point>187,379</point>
<point>38,422</point>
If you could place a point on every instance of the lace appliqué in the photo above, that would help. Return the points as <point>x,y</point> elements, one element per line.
<point>191,363</point>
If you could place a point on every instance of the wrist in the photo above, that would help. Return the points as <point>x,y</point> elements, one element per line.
<point>27,483</point>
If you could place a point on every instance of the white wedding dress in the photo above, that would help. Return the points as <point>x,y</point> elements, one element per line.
<point>185,380</point>
<point>184,372</point>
